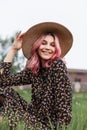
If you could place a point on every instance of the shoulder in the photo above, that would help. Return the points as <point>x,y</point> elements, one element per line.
<point>58,64</point>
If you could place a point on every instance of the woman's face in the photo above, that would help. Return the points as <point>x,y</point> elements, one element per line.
<point>47,48</point>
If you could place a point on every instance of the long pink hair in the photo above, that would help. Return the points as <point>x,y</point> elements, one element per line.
<point>34,62</point>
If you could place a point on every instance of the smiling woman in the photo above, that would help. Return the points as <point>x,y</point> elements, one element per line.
<point>48,48</point>
<point>44,45</point>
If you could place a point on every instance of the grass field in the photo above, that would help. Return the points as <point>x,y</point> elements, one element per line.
<point>79,111</point>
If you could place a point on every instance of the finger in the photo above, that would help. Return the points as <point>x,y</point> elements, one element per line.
<point>21,35</point>
<point>18,34</point>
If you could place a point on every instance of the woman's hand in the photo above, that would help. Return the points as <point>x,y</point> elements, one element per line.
<point>17,44</point>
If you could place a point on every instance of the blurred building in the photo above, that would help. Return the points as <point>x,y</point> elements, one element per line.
<point>79,79</point>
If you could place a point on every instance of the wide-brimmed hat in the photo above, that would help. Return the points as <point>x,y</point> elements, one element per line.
<point>30,36</point>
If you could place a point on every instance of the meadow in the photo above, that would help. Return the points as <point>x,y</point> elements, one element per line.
<point>79,112</point>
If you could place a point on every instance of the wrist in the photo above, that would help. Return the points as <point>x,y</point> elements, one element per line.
<point>9,57</point>
<point>14,49</point>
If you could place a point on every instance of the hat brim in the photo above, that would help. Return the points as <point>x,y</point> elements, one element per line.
<point>64,35</point>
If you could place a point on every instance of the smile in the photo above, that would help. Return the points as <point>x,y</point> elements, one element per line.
<point>46,52</point>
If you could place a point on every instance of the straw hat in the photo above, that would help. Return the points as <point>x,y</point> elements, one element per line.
<point>64,35</point>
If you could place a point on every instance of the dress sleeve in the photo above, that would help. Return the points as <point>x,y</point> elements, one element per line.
<point>8,79</point>
<point>63,93</point>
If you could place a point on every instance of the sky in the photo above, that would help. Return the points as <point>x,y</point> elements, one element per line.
<point>20,15</point>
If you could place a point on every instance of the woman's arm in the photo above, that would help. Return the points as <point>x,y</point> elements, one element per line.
<point>17,45</point>
<point>20,78</point>
<point>13,79</point>
<point>7,62</point>
<point>63,94</point>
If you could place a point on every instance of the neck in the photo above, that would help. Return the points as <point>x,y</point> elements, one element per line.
<point>43,63</point>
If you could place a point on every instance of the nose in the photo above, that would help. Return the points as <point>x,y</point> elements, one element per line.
<point>47,46</point>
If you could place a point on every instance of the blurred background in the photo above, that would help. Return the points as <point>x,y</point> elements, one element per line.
<point>20,15</point>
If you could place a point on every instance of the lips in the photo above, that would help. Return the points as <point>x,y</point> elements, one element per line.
<point>47,51</point>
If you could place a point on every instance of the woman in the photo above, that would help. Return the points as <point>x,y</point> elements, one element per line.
<point>44,45</point>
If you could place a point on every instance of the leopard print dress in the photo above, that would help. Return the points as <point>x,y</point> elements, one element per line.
<point>51,96</point>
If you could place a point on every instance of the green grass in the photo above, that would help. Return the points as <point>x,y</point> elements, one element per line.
<point>79,120</point>
<point>79,111</point>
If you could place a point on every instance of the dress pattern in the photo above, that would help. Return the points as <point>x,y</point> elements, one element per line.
<point>51,100</point>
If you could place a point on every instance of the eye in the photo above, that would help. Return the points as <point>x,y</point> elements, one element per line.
<point>53,44</point>
<point>44,43</point>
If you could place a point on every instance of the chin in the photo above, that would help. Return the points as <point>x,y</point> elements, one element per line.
<point>46,58</point>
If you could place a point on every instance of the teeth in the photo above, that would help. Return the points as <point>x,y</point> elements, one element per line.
<point>46,51</point>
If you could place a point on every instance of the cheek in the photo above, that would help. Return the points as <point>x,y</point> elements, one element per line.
<point>53,49</point>
<point>39,49</point>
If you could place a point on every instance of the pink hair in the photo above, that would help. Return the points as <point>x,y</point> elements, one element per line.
<point>34,62</point>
